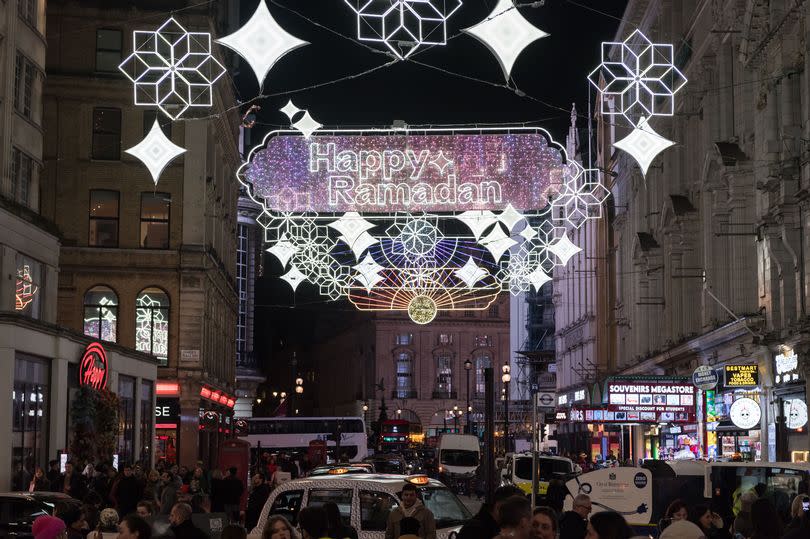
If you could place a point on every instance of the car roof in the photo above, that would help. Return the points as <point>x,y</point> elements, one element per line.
<point>41,495</point>
<point>391,482</point>
<point>541,457</point>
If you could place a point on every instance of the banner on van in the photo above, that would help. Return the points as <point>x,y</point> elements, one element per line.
<point>627,491</point>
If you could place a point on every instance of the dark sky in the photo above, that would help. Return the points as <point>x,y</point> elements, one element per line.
<point>552,70</point>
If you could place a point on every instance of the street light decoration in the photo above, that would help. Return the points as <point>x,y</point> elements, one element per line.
<point>156,151</point>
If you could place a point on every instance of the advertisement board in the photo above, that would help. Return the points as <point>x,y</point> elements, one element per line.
<point>741,375</point>
<point>627,491</point>
<point>652,399</point>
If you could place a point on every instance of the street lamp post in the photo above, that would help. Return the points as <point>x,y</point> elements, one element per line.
<point>506,377</point>
<point>468,367</point>
<point>299,390</point>
<point>455,416</point>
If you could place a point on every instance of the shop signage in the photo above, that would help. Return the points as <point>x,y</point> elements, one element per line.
<point>561,416</point>
<point>745,413</point>
<point>787,367</point>
<point>93,367</point>
<point>562,400</point>
<point>544,400</point>
<point>705,378</point>
<point>795,413</point>
<point>595,414</point>
<point>167,410</point>
<point>650,400</point>
<point>741,375</point>
<point>579,395</point>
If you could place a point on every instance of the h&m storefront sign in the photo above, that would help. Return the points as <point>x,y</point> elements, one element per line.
<point>741,375</point>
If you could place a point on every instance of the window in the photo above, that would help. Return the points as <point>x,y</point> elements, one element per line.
<point>494,311</point>
<point>445,339</point>
<point>108,50</point>
<point>340,497</point>
<point>29,429</point>
<point>21,177</point>
<point>482,361</point>
<point>404,339</point>
<point>374,510</point>
<point>126,417</point>
<point>469,314</point>
<point>447,509</point>
<point>404,369</point>
<point>444,375</point>
<point>27,286</point>
<point>165,123</point>
<point>103,218</point>
<point>152,323</point>
<point>155,220</point>
<point>24,73</point>
<point>287,504</point>
<point>106,134</point>
<point>27,11</point>
<point>101,313</point>
<point>483,341</point>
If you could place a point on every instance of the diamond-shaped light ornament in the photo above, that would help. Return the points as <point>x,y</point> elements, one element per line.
<point>283,250</point>
<point>290,109</point>
<point>564,249</point>
<point>506,33</point>
<point>307,125</point>
<point>538,278</point>
<point>643,144</point>
<point>294,277</point>
<point>353,232</point>
<point>471,273</point>
<point>369,272</point>
<point>156,151</point>
<point>478,221</point>
<point>261,42</point>
<point>497,243</point>
<point>510,217</point>
<point>172,69</point>
<point>403,25</point>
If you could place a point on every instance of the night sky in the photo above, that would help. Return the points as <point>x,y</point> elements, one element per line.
<point>552,70</point>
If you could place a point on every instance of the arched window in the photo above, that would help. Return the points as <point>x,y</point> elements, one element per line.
<point>101,313</point>
<point>444,375</point>
<point>404,368</point>
<point>152,323</point>
<point>482,361</point>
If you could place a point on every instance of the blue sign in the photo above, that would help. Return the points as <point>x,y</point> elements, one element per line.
<point>705,378</point>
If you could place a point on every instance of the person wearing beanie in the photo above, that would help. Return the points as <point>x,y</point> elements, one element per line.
<point>48,527</point>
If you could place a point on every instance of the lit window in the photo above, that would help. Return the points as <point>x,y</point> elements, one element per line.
<point>27,286</point>
<point>108,50</point>
<point>404,367</point>
<point>445,338</point>
<point>21,177</point>
<point>444,374</point>
<point>24,73</point>
<point>106,134</point>
<point>155,209</point>
<point>483,341</point>
<point>103,230</point>
<point>404,339</point>
<point>101,313</point>
<point>483,361</point>
<point>152,323</point>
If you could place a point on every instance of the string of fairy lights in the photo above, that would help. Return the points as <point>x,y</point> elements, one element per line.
<point>378,216</point>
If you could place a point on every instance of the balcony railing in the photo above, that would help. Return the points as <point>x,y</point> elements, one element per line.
<point>445,394</point>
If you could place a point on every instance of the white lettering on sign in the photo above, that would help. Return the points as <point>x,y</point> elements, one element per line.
<point>163,411</point>
<point>562,399</point>
<point>786,366</point>
<point>624,388</point>
<point>579,395</point>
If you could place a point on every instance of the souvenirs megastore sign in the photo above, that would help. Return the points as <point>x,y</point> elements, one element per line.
<point>652,399</point>
<point>420,220</point>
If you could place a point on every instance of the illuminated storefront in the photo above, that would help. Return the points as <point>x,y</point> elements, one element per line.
<point>734,415</point>
<point>790,386</point>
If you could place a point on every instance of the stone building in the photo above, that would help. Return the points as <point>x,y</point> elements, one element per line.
<point>148,266</point>
<point>708,254</point>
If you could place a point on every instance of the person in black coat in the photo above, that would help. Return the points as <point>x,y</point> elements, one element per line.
<point>485,524</point>
<point>574,523</point>
<point>127,492</point>
<point>71,483</point>
<point>256,500</point>
<point>181,525</point>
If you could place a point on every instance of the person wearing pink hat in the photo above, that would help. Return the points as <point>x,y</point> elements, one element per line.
<point>48,527</point>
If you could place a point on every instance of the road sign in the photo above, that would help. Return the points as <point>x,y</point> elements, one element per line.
<point>545,399</point>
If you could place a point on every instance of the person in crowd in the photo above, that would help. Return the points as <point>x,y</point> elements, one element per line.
<point>411,506</point>
<point>74,519</point>
<point>677,510</point>
<point>134,527</point>
<point>48,527</point>
<point>151,487</point>
<point>515,517</point>
<point>107,525</point>
<point>233,531</point>
<point>181,525</point>
<point>127,492</point>
<point>682,529</point>
<point>259,492</point>
<point>91,507</point>
<point>233,489</point>
<point>484,525</point>
<point>556,493</point>
<point>198,482</point>
<point>170,484</point>
<point>338,530</point>
<point>797,511</point>
<point>71,483</point>
<point>409,528</point>
<point>39,482</point>
<point>742,523</point>
<point>544,523</point>
<point>278,527</point>
<point>200,503</point>
<point>708,521</point>
<point>608,525</point>
<point>184,474</point>
<point>800,528</point>
<point>217,492</point>
<point>574,523</point>
<point>313,522</point>
<point>765,521</point>
<point>53,475</point>
<point>145,509</point>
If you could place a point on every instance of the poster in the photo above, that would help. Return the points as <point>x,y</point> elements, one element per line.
<point>627,491</point>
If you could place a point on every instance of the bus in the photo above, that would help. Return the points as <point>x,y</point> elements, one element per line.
<point>394,434</point>
<point>294,434</point>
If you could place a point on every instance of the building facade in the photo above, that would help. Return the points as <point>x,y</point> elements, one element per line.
<point>151,267</point>
<point>708,253</point>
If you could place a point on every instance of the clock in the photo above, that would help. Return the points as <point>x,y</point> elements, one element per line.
<point>745,413</point>
<point>796,413</point>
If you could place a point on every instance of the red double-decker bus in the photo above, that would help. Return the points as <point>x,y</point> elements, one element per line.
<point>395,434</point>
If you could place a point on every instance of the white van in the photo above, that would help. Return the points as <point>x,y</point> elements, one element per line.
<point>459,455</point>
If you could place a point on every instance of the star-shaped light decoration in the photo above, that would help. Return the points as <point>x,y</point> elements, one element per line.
<point>306,124</point>
<point>510,217</point>
<point>528,232</point>
<point>403,24</point>
<point>354,232</point>
<point>497,243</point>
<point>506,33</point>
<point>294,277</point>
<point>156,151</point>
<point>261,42</point>
<point>283,250</point>
<point>564,249</point>
<point>478,221</point>
<point>290,110</point>
<point>441,162</point>
<point>172,68</point>
<point>369,272</point>
<point>642,79</point>
<point>538,278</point>
<point>643,144</point>
<point>471,273</point>
<point>582,196</point>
